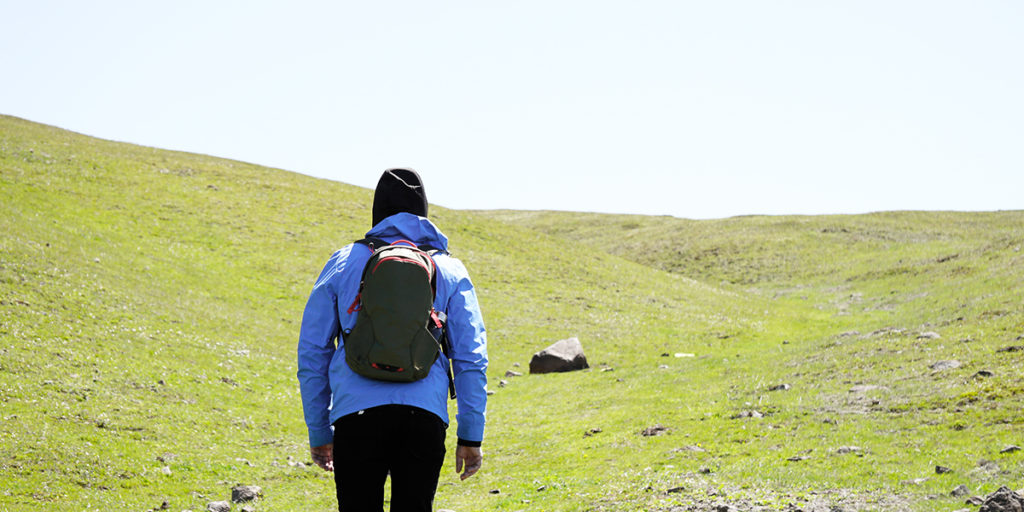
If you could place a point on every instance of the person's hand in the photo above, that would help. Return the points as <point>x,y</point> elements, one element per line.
<point>472,457</point>
<point>323,456</point>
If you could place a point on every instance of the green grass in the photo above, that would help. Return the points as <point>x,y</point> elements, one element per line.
<point>150,302</point>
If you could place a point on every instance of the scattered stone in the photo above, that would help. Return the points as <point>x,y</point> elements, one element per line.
<point>665,354</point>
<point>502,383</point>
<point>847,334</point>
<point>983,374</point>
<point>495,491</point>
<point>797,458</point>
<point>691,448</point>
<point>916,481</point>
<point>1003,500</point>
<point>685,354</point>
<point>542,488</point>
<point>849,449</point>
<point>1012,348</point>
<point>656,430</point>
<point>888,330</point>
<point>863,388</point>
<point>248,508</point>
<point>830,421</point>
<point>675,490</point>
<point>988,466</point>
<point>929,335</point>
<point>243,493</point>
<point>562,356</point>
<point>490,392</point>
<point>166,505</point>
<point>1010,449</point>
<point>704,470</point>
<point>511,373</point>
<point>608,369</point>
<point>941,470</point>
<point>592,431</point>
<point>165,470</point>
<point>663,367</point>
<point>516,365</point>
<point>218,506</point>
<point>747,414</point>
<point>780,387</point>
<point>960,490</point>
<point>946,365</point>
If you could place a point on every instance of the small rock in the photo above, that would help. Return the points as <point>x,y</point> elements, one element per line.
<point>248,508</point>
<point>1010,449</point>
<point>663,367</point>
<point>848,449</point>
<point>675,490</point>
<point>656,430</point>
<point>218,506</point>
<point>165,470</point>
<point>977,501</point>
<point>780,387</point>
<point>592,431</point>
<point>945,365</point>
<point>685,354</point>
<point>983,374</point>
<point>961,490</point>
<point>929,335</point>
<point>165,505</point>
<point>941,470</point>
<point>495,491</point>
<point>502,383</point>
<point>797,458</point>
<point>516,365</point>
<point>1013,348</point>
<point>490,392</point>
<point>704,470</point>
<point>916,481</point>
<point>243,493</point>
<point>511,373</point>
<point>690,448</point>
<point>665,354</point>
<point>747,414</point>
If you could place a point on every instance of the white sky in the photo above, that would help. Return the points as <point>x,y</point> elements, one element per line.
<point>694,109</point>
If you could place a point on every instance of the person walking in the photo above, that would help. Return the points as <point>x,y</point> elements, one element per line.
<point>365,429</point>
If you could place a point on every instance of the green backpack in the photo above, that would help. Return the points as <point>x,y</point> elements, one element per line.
<point>398,335</point>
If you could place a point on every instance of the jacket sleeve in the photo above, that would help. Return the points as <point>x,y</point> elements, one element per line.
<point>316,347</point>
<point>469,358</point>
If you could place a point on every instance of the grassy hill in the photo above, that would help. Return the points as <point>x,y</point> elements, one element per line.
<point>150,301</point>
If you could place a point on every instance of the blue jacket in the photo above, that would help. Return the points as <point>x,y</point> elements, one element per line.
<point>330,389</point>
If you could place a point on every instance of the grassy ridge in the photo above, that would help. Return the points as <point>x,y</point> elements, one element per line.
<point>150,305</point>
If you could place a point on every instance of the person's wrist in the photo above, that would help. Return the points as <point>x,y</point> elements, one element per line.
<point>469,444</point>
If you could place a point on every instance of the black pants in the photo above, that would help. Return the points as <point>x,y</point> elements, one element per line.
<point>405,441</point>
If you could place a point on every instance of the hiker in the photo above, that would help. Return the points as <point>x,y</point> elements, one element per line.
<point>383,427</point>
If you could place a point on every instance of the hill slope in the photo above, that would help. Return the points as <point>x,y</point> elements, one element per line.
<point>150,300</point>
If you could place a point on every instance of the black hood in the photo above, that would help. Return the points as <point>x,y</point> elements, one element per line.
<point>399,190</point>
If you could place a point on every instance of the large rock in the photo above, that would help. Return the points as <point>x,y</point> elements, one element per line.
<point>563,356</point>
<point>1003,500</point>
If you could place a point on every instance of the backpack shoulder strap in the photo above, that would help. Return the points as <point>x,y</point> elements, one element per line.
<point>373,243</point>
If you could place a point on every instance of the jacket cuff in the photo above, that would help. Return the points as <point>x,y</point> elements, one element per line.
<point>471,444</point>
<point>321,436</point>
